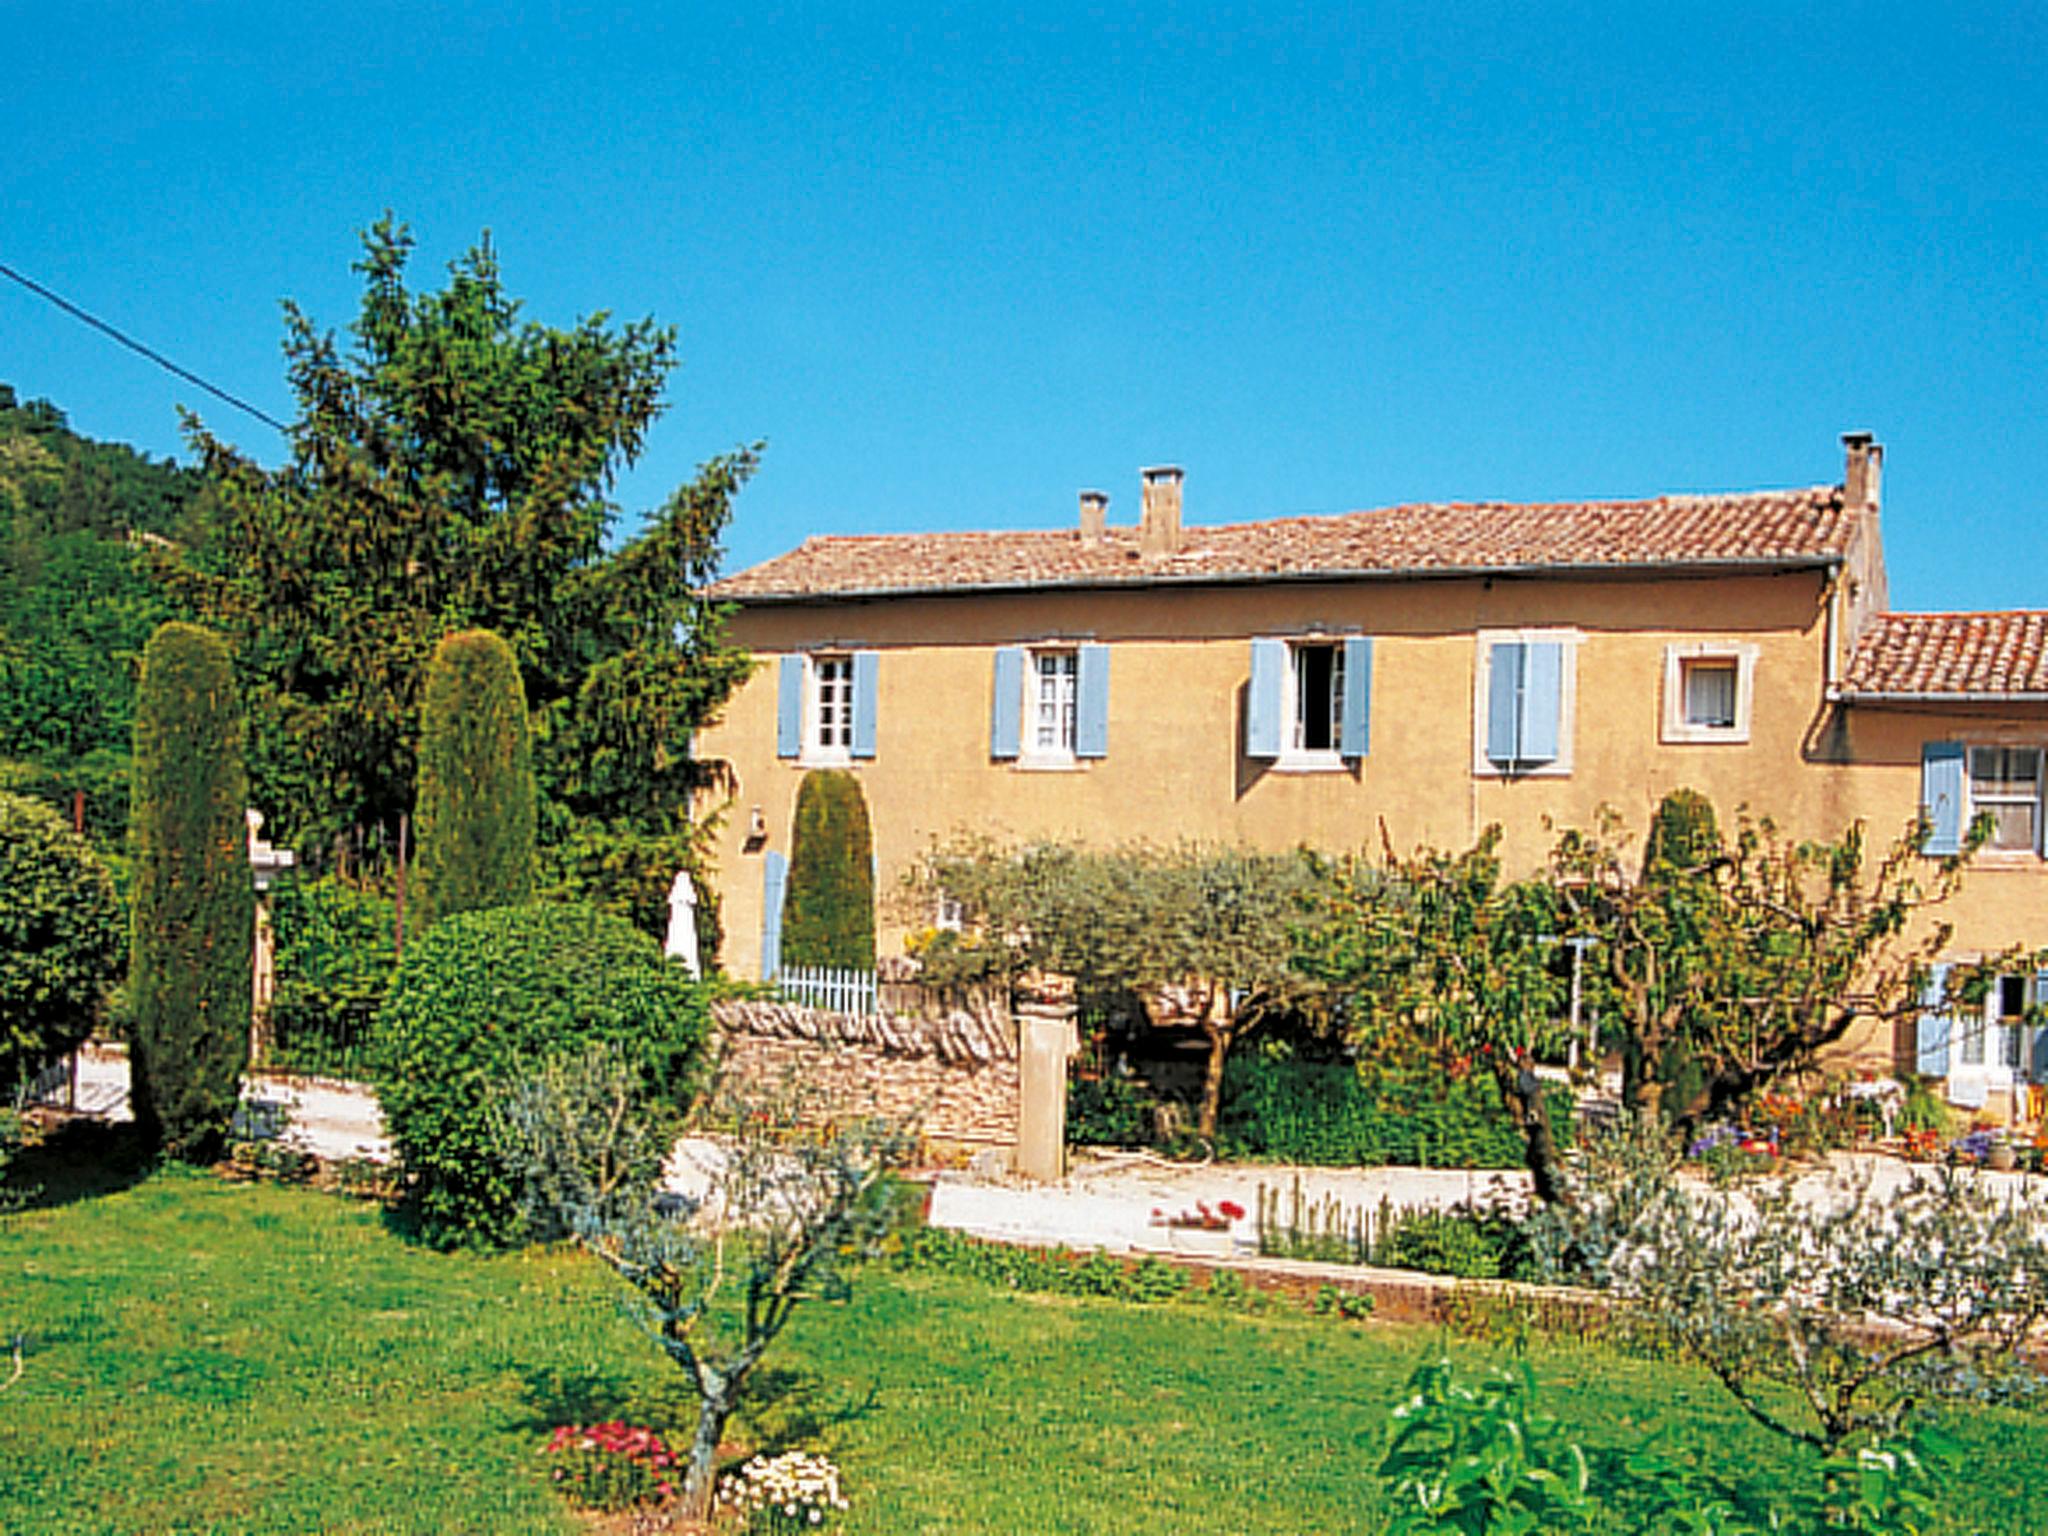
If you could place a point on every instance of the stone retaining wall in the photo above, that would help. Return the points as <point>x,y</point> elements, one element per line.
<point>955,1074</point>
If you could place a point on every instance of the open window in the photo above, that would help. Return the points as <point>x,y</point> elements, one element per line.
<point>1309,703</point>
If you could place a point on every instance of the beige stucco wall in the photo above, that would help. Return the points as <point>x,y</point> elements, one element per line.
<point>1180,662</point>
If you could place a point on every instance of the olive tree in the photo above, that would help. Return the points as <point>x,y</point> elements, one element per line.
<point>1203,932</point>
<point>713,1279</point>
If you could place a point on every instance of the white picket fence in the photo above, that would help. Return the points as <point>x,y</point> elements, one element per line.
<point>831,988</point>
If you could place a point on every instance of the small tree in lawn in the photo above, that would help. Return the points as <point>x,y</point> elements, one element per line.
<point>476,798</point>
<point>829,918</point>
<point>194,905</point>
<point>1204,932</point>
<point>1439,947</point>
<point>714,1282</point>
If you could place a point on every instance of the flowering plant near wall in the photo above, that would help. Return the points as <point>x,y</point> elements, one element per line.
<point>795,1491</point>
<point>611,1466</point>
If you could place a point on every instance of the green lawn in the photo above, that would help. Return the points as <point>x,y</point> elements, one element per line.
<point>208,1357</point>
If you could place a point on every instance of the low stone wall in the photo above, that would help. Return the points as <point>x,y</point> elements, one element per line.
<point>955,1074</point>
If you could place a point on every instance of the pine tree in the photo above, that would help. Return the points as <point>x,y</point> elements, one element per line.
<point>194,906</point>
<point>476,802</point>
<point>830,916</point>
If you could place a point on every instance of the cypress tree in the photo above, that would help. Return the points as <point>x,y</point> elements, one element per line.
<point>1679,855</point>
<point>829,915</point>
<point>476,800</point>
<point>194,906</point>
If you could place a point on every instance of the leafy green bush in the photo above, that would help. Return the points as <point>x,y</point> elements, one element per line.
<point>476,795</point>
<point>482,1001</point>
<point>194,907</point>
<point>1336,1114</point>
<point>336,953</point>
<point>60,938</point>
<point>829,916</point>
<point>1112,1110</point>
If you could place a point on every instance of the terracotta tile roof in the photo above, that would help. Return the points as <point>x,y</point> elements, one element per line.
<point>1981,655</point>
<point>1798,527</point>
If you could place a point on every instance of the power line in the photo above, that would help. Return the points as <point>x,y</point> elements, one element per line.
<point>133,345</point>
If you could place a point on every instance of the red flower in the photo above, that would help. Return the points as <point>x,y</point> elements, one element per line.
<point>1231,1209</point>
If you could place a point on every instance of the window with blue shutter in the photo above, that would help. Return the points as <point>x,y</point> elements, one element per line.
<point>774,882</point>
<point>1941,797</point>
<point>789,707</point>
<point>866,669</point>
<point>1091,724</point>
<point>1930,1055</point>
<point>1006,710</point>
<point>1265,710</point>
<point>1525,703</point>
<point>1355,719</point>
<point>2037,1037</point>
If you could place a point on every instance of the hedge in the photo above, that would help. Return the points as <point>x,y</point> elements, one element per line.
<point>1294,1111</point>
<point>477,1004</point>
<point>61,940</point>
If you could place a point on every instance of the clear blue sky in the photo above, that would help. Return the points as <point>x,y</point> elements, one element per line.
<point>956,263</point>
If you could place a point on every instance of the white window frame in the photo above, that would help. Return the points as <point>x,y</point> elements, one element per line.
<point>1030,754</point>
<point>1975,803</point>
<point>1560,767</point>
<point>816,750</point>
<point>1678,660</point>
<point>1295,758</point>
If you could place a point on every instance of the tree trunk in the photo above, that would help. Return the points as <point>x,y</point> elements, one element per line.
<point>1219,1036</point>
<point>1522,1091</point>
<point>715,1403</point>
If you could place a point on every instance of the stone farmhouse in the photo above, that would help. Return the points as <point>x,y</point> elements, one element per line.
<point>1429,670</point>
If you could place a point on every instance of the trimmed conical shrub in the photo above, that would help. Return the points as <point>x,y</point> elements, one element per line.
<point>194,907</point>
<point>829,915</point>
<point>475,812</point>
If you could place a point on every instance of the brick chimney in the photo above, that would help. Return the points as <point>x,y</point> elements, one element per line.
<point>1863,474</point>
<point>1159,521</point>
<point>1094,517</point>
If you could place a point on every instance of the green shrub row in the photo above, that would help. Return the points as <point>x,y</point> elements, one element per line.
<point>1336,1114</point>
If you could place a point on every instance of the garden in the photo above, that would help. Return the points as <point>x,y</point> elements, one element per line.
<point>523,1324</point>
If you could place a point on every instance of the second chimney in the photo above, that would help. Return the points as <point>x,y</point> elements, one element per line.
<point>1094,517</point>
<point>1863,473</point>
<point>1159,519</point>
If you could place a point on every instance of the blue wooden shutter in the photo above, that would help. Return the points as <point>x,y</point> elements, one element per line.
<point>866,664</point>
<point>2037,1037</point>
<point>1356,739</point>
<point>1542,713</point>
<point>774,881</point>
<point>1007,710</point>
<point>1264,705</point>
<point>1504,702</point>
<point>1941,796</point>
<point>1930,1056</point>
<point>789,708</point>
<point>1091,715</point>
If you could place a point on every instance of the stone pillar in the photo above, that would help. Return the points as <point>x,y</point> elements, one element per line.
<point>1046,1038</point>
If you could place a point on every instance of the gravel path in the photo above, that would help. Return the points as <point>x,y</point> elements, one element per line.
<point>1108,1200</point>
